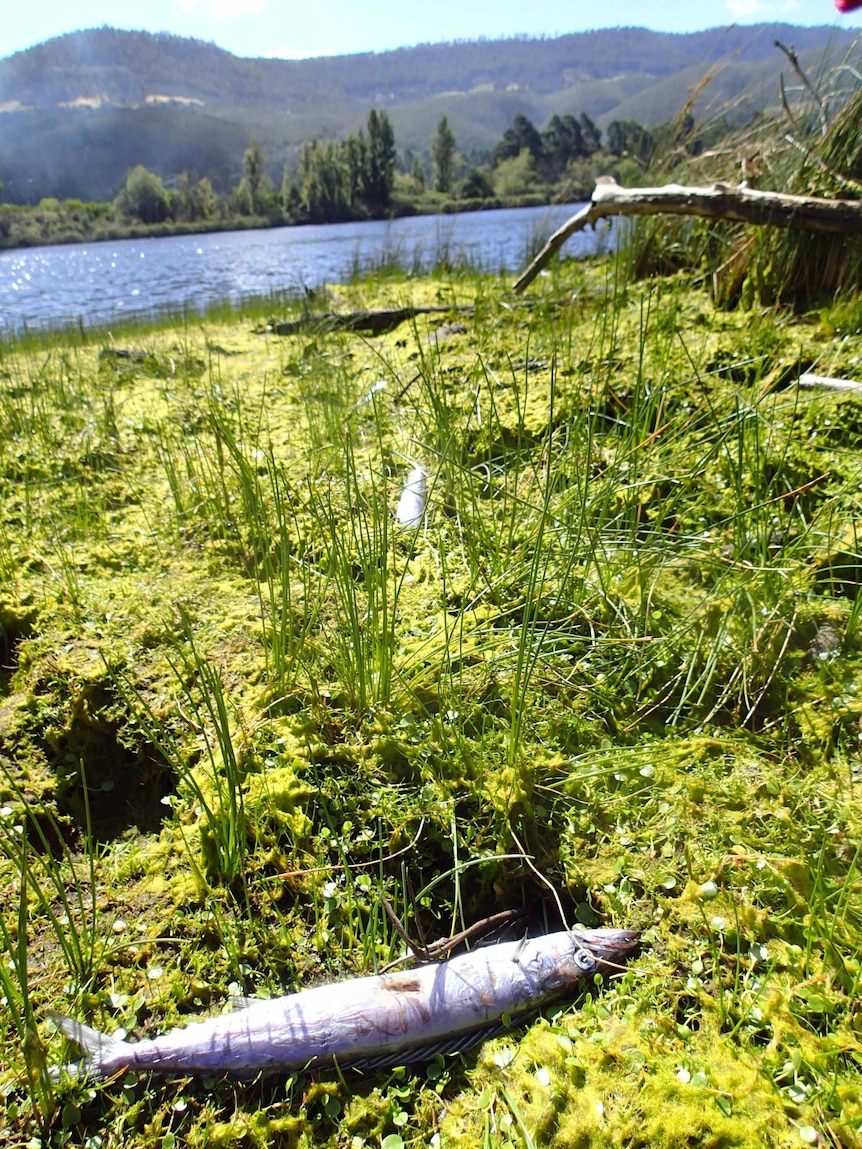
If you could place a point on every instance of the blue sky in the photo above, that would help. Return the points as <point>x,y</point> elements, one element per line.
<point>297,28</point>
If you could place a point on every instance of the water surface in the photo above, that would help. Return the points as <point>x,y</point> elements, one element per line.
<point>97,283</point>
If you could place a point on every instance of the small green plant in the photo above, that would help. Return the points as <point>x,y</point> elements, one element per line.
<point>63,894</point>
<point>216,785</point>
<point>56,889</point>
<point>15,986</point>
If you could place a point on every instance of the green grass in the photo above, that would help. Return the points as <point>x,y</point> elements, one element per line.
<point>239,704</point>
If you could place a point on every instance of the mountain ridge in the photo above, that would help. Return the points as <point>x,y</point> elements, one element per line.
<point>99,91</point>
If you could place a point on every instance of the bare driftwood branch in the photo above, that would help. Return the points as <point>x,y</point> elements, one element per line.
<point>373,322</point>
<point>719,201</point>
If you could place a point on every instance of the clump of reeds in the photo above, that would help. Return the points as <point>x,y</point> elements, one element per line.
<point>811,146</point>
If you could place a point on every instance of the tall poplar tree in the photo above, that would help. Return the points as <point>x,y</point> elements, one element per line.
<point>380,160</point>
<point>254,162</point>
<point>443,156</point>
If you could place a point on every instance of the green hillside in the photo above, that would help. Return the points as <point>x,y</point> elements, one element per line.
<point>77,111</point>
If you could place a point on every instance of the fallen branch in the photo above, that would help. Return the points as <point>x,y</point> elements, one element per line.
<point>374,322</point>
<point>720,201</point>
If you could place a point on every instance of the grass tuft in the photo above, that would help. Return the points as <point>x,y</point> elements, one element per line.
<point>613,671</point>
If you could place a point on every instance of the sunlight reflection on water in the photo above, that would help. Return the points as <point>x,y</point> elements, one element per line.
<point>58,286</point>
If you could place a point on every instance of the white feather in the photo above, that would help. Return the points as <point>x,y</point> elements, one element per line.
<point>411,505</point>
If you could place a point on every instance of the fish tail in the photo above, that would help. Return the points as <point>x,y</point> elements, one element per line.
<point>97,1047</point>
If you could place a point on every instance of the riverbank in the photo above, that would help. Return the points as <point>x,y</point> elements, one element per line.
<point>613,669</point>
<point>76,222</point>
<point>102,285</point>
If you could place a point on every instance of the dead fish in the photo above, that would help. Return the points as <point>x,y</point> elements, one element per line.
<point>390,1019</point>
<point>411,505</point>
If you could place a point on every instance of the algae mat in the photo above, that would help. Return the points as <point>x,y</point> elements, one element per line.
<point>614,672</point>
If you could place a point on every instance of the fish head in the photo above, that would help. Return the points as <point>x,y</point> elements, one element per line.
<point>605,947</point>
<point>560,960</point>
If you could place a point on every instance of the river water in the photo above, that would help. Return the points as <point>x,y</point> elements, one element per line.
<point>97,283</point>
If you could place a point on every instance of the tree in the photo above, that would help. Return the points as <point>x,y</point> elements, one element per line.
<point>291,196</point>
<point>323,181</point>
<point>379,174</point>
<point>591,133</point>
<point>443,155</point>
<point>577,181</point>
<point>144,196</point>
<point>254,163</point>
<point>417,173</point>
<point>343,180</point>
<point>562,141</point>
<point>476,185</point>
<point>522,134</point>
<point>516,175</point>
<point>627,137</point>
<point>355,155</point>
<point>194,198</point>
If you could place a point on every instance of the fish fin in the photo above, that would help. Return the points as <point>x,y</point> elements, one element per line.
<point>460,1043</point>
<point>92,1041</point>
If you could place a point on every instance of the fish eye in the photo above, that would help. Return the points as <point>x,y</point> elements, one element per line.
<point>585,961</point>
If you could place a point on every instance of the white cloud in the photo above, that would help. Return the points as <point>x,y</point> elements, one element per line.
<point>746,9</point>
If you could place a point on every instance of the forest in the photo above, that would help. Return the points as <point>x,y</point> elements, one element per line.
<point>77,113</point>
<point>363,176</point>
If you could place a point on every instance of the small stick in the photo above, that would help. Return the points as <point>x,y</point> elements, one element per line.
<point>444,946</point>
<point>543,880</point>
<point>417,950</point>
<point>797,68</point>
<point>411,893</point>
<point>478,929</point>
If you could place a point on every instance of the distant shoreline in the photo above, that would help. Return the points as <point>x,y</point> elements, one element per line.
<point>28,240</point>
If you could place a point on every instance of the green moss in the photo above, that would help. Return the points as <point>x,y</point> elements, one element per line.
<point>619,1085</point>
<point>279,793</point>
<point>625,639</point>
